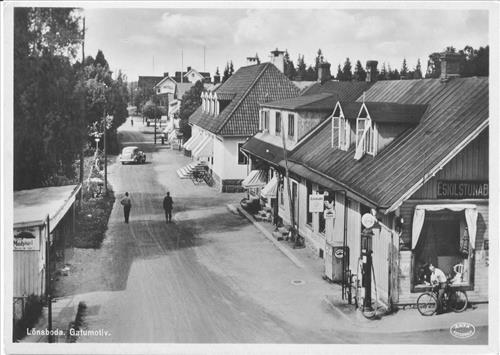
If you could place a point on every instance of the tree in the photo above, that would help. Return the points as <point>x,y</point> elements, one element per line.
<point>340,76</point>
<point>289,67</point>
<point>48,128</point>
<point>383,73</point>
<point>228,71</point>
<point>99,59</point>
<point>311,74</point>
<point>191,100</point>
<point>151,111</point>
<point>346,70</point>
<point>433,66</point>
<point>417,73</point>
<point>359,72</point>
<point>404,69</point>
<point>301,69</point>
<point>319,59</point>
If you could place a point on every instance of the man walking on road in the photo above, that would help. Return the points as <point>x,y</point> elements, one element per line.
<point>127,205</point>
<point>167,206</point>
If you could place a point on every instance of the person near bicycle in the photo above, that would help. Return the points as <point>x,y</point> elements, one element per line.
<point>439,278</point>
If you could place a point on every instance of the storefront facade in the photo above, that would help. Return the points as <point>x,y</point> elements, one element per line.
<point>446,224</point>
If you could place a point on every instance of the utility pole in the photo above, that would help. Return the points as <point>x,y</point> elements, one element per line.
<point>83,118</point>
<point>290,202</point>
<point>47,280</point>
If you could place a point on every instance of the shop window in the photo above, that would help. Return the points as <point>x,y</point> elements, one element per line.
<point>278,123</point>
<point>242,159</point>
<point>444,243</point>
<point>309,192</point>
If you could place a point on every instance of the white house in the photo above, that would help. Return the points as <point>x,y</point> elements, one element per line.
<point>229,115</point>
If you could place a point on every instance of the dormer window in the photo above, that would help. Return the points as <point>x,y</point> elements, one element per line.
<point>204,102</point>
<point>340,130</point>
<point>365,135</point>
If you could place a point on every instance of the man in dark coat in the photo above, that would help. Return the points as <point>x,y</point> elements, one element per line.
<point>167,206</point>
<point>127,205</point>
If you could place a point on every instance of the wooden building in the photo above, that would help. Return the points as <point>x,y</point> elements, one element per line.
<point>415,154</point>
<point>38,214</point>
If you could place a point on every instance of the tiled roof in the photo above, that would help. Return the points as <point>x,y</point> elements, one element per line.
<point>455,111</point>
<point>251,85</point>
<point>343,90</point>
<point>323,101</point>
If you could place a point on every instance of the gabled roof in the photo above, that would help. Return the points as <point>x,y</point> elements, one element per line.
<point>317,102</point>
<point>203,74</point>
<point>261,147</point>
<point>165,79</point>
<point>250,86</point>
<point>457,112</point>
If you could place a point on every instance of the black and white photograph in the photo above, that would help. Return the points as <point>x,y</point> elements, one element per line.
<point>249,177</point>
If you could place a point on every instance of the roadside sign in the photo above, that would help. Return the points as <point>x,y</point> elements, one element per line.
<point>316,203</point>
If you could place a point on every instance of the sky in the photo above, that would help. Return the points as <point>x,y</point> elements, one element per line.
<point>151,41</point>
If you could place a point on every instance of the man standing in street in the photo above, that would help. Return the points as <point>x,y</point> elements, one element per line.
<point>167,206</point>
<point>127,205</point>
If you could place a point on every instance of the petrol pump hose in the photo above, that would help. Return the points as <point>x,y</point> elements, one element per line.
<point>358,302</point>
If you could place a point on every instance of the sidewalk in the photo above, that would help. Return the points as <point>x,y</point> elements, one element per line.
<point>353,319</point>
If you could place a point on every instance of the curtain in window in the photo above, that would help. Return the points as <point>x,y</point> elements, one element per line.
<point>470,217</point>
<point>418,223</point>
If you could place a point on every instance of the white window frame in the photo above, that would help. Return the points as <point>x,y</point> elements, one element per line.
<point>264,124</point>
<point>369,149</point>
<point>278,128</point>
<point>288,126</point>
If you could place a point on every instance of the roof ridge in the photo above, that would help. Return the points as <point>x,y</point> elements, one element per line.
<point>244,95</point>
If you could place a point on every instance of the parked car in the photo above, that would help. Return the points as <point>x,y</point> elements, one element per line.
<point>132,155</point>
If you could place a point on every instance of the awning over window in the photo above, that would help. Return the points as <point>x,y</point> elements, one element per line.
<point>204,149</point>
<point>470,218</point>
<point>271,189</point>
<point>193,141</point>
<point>256,178</point>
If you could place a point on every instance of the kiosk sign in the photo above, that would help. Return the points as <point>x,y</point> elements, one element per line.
<point>26,240</point>
<point>316,203</point>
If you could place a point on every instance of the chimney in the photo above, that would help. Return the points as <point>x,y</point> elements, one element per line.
<point>165,74</point>
<point>278,59</point>
<point>216,79</point>
<point>371,71</point>
<point>450,65</point>
<point>324,72</point>
<point>252,60</point>
<point>188,69</point>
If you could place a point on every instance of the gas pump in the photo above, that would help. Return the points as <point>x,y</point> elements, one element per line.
<point>366,270</point>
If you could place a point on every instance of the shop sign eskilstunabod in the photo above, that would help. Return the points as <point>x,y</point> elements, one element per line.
<point>459,189</point>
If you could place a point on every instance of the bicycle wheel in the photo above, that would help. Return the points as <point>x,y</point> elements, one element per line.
<point>427,304</point>
<point>458,301</point>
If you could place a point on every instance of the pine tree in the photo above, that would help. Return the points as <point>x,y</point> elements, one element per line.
<point>347,70</point>
<point>417,73</point>
<point>231,68</point>
<point>289,69</point>
<point>301,69</point>
<point>340,76</point>
<point>319,59</point>
<point>404,69</point>
<point>359,72</point>
<point>226,74</point>
<point>383,73</point>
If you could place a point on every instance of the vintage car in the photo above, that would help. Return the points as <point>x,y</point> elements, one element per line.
<point>132,155</point>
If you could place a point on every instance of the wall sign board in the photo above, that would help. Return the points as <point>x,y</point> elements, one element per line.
<point>458,189</point>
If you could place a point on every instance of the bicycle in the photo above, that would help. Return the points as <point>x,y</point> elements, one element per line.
<point>455,300</point>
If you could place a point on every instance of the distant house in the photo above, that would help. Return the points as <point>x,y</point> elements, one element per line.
<point>148,82</point>
<point>192,76</point>
<point>229,115</point>
<point>405,170</point>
